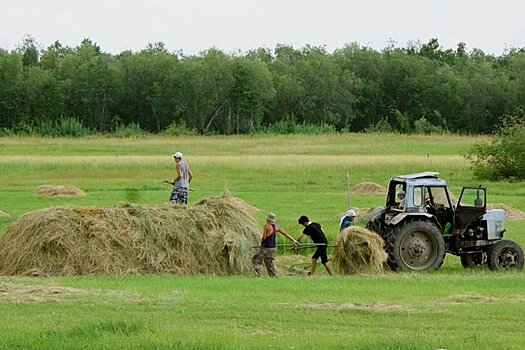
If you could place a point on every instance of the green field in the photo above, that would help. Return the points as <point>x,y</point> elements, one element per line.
<point>451,308</point>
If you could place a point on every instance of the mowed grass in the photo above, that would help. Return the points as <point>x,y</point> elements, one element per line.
<point>451,308</point>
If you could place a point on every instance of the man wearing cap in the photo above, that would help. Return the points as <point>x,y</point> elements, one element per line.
<point>401,195</point>
<point>181,183</point>
<point>267,249</point>
<point>347,220</point>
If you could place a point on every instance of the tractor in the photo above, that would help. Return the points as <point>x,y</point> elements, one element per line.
<point>419,233</point>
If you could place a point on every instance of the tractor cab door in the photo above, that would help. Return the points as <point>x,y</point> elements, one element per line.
<point>472,205</point>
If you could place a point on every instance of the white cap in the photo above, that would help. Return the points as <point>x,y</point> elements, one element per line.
<point>350,213</point>
<point>177,155</point>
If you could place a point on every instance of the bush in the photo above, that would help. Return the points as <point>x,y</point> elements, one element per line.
<point>66,126</point>
<point>178,129</point>
<point>504,156</point>
<point>130,130</point>
<point>381,127</point>
<point>289,126</point>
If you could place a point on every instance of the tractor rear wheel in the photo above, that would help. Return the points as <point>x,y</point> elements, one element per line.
<point>505,255</point>
<point>416,245</point>
<point>476,260</point>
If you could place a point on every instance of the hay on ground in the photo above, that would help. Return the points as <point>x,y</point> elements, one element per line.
<point>510,213</point>
<point>368,188</point>
<point>3,214</point>
<point>60,191</point>
<point>214,236</point>
<point>359,251</point>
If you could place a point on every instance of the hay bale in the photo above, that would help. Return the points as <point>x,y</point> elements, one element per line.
<point>510,212</point>
<point>59,191</point>
<point>368,188</point>
<point>358,250</point>
<point>213,236</point>
<point>3,214</point>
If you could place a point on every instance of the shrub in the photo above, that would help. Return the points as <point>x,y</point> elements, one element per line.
<point>504,156</point>
<point>130,130</point>
<point>381,127</point>
<point>289,126</point>
<point>66,126</point>
<point>178,129</point>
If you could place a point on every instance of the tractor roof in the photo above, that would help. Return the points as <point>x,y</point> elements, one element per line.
<point>429,178</point>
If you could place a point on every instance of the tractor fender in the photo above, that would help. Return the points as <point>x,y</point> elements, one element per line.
<point>402,216</point>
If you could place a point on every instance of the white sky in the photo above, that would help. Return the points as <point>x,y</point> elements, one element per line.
<point>233,25</point>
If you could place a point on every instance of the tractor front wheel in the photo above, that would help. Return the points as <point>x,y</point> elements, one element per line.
<point>505,255</point>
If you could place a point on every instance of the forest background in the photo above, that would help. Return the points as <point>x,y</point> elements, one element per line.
<point>421,88</point>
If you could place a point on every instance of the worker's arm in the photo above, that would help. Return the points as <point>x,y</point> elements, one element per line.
<point>190,175</point>
<point>179,173</point>
<point>286,234</point>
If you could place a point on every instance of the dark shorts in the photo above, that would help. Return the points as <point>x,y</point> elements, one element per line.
<point>320,252</point>
<point>179,195</point>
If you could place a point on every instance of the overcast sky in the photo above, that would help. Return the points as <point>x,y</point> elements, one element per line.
<point>233,25</point>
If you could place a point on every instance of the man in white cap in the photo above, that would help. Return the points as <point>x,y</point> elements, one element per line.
<point>401,195</point>
<point>267,249</point>
<point>181,183</point>
<point>347,220</point>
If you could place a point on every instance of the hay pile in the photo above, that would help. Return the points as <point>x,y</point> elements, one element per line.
<point>368,188</point>
<point>510,213</point>
<point>59,191</point>
<point>212,237</point>
<point>3,214</point>
<point>358,250</point>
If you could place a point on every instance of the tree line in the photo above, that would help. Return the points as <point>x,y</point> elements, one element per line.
<point>418,88</point>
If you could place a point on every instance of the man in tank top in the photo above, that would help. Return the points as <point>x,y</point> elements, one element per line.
<point>181,183</point>
<point>267,249</point>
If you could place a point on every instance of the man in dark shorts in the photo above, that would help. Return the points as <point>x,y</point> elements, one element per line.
<point>316,234</point>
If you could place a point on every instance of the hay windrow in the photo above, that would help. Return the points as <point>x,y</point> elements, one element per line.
<point>359,251</point>
<point>60,191</point>
<point>212,237</point>
<point>3,214</point>
<point>368,188</point>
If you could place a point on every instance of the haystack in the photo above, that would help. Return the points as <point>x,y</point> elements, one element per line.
<point>358,250</point>
<point>60,191</point>
<point>3,214</point>
<point>213,236</point>
<point>510,212</point>
<point>368,188</point>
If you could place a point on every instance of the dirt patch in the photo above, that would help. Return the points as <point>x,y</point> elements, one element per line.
<point>214,236</point>
<point>3,214</point>
<point>368,188</point>
<point>60,191</point>
<point>510,213</point>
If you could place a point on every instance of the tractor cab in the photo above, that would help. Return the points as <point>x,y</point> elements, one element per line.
<point>425,193</point>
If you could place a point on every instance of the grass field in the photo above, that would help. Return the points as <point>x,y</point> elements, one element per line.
<point>451,308</point>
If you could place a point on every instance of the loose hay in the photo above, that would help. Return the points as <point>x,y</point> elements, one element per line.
<point>212,237</point>
<point>358,250</point>
<point>368,188</point>
<point>60,191</point>
<point>3,214</point>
